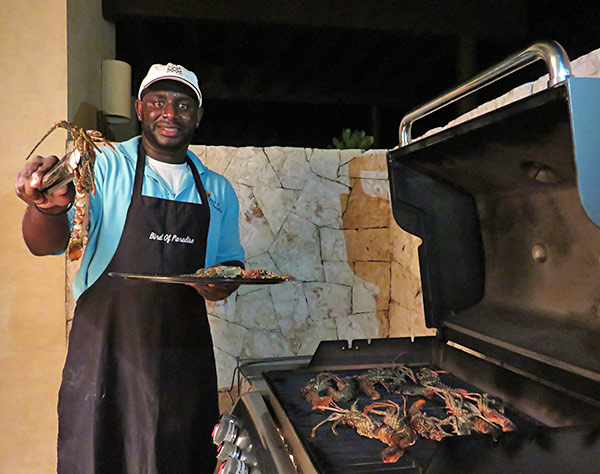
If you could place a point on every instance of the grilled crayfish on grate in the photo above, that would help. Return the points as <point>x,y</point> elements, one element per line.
<point>367,427</point>
<point>84,142</point>
<point>338,389</point>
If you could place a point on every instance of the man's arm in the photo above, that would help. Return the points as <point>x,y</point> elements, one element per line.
<point>229,252</point>
<point>45,224</point>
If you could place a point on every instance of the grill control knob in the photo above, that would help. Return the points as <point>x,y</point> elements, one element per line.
<point>226,430</point>
<point>228,450</point>
<point>243,439</point>
<point>234,466</point>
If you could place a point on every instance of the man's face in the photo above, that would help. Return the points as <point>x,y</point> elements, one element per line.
<point>169,119</point>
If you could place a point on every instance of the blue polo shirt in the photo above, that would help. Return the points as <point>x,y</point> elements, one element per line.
<point>114,173</point>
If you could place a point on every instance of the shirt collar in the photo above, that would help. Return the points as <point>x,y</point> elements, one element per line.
<point>129,149</point>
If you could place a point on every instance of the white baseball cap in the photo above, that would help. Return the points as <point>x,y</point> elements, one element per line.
<point>174,72</point>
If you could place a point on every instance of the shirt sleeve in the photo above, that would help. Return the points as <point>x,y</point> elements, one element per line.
<point>229,246</point>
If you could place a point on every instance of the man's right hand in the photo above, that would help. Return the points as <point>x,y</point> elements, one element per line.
<point>45,229</point>
<point>29,180</point>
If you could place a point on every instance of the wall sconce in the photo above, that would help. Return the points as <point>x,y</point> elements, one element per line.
<point>116,91</point>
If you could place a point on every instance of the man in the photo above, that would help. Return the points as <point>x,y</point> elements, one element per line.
<point>139,393</point>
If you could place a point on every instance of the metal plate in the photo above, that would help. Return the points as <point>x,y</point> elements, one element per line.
<point>183,279</point>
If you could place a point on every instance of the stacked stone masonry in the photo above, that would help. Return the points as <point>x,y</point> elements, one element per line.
<point>323,216</point>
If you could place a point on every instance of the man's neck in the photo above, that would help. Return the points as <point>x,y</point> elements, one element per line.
<point>166,156</point>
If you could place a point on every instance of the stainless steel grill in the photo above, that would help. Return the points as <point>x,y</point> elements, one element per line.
<point>508,208</point>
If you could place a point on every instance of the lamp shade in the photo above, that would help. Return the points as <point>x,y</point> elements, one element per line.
<point>116,91</point>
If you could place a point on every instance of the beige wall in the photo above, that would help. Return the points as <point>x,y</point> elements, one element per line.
<point>90,39</point>
<point>37,87</point>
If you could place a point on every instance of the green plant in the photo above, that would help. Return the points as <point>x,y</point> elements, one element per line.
<point>353,140</point>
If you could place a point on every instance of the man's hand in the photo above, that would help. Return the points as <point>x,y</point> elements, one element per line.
<point>214,292</point>
<point>45,229</point>
<point>29,180</point>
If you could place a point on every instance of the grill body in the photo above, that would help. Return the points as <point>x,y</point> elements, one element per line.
<point>508,209</point>
<point>553,426</point>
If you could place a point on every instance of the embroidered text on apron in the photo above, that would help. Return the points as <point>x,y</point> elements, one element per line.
<point>139,393</point>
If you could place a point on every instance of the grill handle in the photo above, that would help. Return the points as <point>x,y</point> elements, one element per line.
<point>551,52</point>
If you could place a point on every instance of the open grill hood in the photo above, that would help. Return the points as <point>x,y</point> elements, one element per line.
<point>508,208</point>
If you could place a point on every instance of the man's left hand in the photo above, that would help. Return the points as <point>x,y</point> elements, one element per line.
<point>213,292</point>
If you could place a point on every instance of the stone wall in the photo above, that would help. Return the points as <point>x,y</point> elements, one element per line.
<point>324,217</point>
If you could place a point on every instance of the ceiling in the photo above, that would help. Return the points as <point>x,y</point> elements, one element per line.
<point>294,73</point>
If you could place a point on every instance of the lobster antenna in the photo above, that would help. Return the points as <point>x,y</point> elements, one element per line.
<point>62,123</point>
<point>38,143</point>
<point>395,359</point>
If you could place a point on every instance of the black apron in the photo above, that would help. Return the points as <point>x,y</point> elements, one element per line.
<point>139,391</point>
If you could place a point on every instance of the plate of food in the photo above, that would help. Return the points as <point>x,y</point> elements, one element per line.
<point>220,274</point>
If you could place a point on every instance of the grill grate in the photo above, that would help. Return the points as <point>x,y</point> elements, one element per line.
<point>348,452</point>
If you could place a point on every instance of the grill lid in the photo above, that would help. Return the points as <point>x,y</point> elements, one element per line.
<point>508,208</point>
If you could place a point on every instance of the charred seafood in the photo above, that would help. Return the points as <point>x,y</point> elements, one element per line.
<point>397,379</point>
<point>391,423</point>
<point>337,389</point>
<point>368,427</point>
<point>230,272</point>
